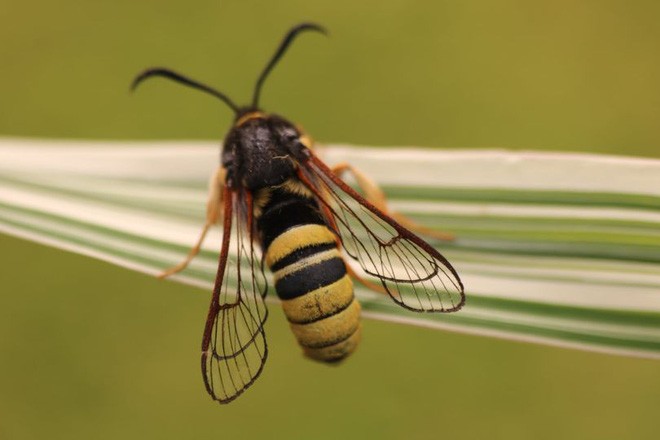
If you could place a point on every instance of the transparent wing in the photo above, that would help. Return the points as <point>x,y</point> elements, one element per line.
<point>412,272</point>
<point>234,347</point>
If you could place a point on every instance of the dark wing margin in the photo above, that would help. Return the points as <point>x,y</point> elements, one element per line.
<point>412,272</point>
<point>234,348</point>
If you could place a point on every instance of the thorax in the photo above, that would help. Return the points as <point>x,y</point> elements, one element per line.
<point>259,151</point>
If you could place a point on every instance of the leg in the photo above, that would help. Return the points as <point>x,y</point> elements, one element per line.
<point>213,216</point>
<point>376,196</point>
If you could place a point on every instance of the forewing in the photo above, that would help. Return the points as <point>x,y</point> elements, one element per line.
<point>234,347</point>
<point>412,272</point>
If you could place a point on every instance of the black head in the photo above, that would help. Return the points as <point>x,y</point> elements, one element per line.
<point>239,111</point>
<point>257,149</point>
<point>261,151</point>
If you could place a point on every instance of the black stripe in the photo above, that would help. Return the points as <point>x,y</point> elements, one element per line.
<point>310,278</point>
<point>336,359</point>
<point>283,211</point>
<point>322,317</point>
<point>301,253</point>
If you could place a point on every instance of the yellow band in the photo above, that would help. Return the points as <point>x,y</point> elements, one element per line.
<point>336,352</point>
<point>297,238</point>
<point>319,303</point>
<point>333,328</point>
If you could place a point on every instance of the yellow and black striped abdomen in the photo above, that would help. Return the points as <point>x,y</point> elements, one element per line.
<point>310,277</point>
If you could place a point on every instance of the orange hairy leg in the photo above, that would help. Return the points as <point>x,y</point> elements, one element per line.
<point>214,210</point>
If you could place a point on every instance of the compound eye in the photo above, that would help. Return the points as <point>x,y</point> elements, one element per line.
<point>290,134</point>
<point>227,159</point>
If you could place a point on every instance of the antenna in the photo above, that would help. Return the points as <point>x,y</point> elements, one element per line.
<point>169,74</point>
<point>284,45</point>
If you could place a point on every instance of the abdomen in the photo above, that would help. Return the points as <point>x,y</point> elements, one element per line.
<point>310,276</point>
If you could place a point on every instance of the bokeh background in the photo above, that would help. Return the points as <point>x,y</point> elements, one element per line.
<point>88,350</point>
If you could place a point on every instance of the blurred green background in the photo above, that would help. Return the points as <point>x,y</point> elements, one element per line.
<point>88,350</point>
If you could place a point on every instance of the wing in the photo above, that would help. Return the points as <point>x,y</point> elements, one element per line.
<point>234,346</point>
<point>412,272</point>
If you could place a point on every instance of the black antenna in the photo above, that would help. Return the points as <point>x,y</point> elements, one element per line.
<point>167,73</point>
<point>284,45</point>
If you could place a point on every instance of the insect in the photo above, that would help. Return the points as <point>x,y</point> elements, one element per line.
<point>271,191</point>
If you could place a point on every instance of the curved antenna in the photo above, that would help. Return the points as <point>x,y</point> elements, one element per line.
<point>169,74</point>
<point>284,45</point>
